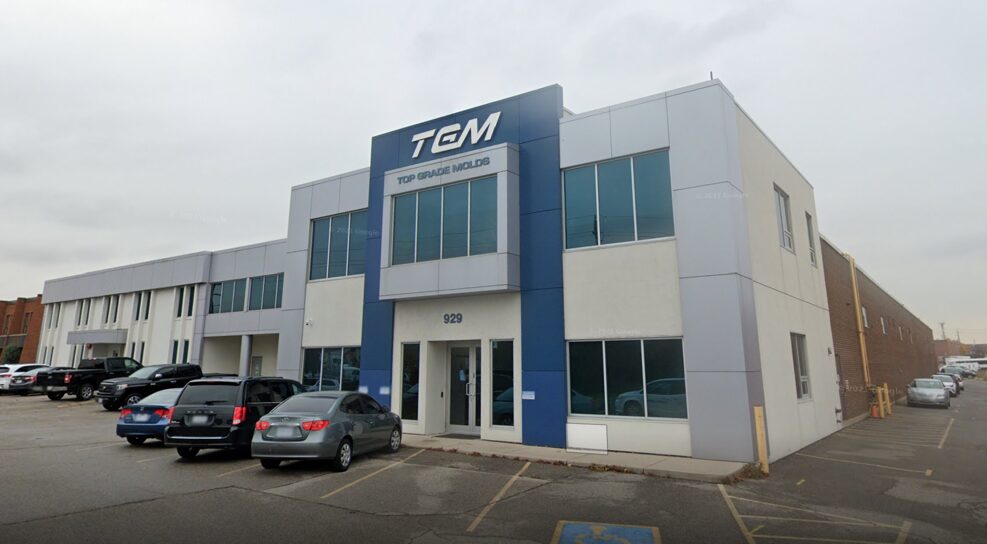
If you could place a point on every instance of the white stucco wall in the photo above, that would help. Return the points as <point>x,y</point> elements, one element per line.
<point>221,354</point>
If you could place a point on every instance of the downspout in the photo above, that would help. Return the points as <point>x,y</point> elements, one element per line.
<point>860,319</point>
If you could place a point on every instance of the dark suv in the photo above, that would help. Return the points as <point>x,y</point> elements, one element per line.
<point>117,392</point>
<point>220,413</point>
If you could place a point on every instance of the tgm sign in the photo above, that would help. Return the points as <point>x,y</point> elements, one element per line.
<point>453,136</point>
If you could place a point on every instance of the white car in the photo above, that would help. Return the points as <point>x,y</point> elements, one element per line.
<point>949,382</point>
<point>9,371</point>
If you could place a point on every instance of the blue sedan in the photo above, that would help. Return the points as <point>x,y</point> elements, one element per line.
<point>148,418</point>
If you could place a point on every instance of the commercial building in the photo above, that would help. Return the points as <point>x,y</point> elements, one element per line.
<point>876,339</point>
<point>20,326</point>
<point>633,278</point>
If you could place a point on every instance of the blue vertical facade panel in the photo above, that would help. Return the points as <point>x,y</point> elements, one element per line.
<point>530,121</point>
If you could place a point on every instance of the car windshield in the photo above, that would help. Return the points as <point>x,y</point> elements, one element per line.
<point>3,369</point>
<point>209,393</point>
<point>146,372</point>
<point>944,378</point>
<point>165,397</point>
<point>927,384</point>
<point>317,404</point>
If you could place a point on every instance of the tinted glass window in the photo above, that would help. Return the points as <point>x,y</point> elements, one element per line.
<point>306,404</point>
<point>653,195</point>
<point>403,231</point>
<point>580,207</point>
<point>410,372</point>
<point>371,406</point>
<point>483,216</point>
<point>338,239</point>
<point>239,294</point>
<point>280,391</point>
<point>164,397</point>
<point>455,216</point>
<point>256,293</point>
<point>358,243</point>
<point>311,368</point>
<point>351,405</point>
<point>116,364</point>
<point>351,369</point>
<point>271,288</point>
<point>625,381</point>
<point>216,298</point>
<point>331,369</point>
<point>320,249</point>
<point>187,371</point>
<point>209,394</point>
<point>586,378</point>
<point>616,201</point>
<point>226,304</point>
<point>663,365</point>
<point>147,372</point>
<point>259,392</point>
<point>503,381</point>
<point>429,224</point>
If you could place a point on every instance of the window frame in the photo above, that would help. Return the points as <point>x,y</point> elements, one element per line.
<point>596,190</point>
<point>347,266</point>
<point>606,391</point>
<point>442,203</point>
<point>342,364</point>
<point>783,215</point>
<point>800,359</point>
<point>810,227</point>
<point>278,291</point>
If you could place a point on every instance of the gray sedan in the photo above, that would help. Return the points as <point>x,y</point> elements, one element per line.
<point>331,425</point>
<point>928,391</point>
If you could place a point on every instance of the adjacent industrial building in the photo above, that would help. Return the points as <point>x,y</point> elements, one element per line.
<point>20,327</point>
<point>634,278</point>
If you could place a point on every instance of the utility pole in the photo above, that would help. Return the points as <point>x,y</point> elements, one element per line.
<point>942,325</point>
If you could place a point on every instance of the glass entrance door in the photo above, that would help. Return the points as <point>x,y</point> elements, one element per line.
<point>464,388</point>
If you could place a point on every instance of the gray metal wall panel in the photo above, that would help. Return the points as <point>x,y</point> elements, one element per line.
<point>158,274</point>
<point>299,218</point>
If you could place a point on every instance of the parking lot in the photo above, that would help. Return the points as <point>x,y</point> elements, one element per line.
<point>916,477</point>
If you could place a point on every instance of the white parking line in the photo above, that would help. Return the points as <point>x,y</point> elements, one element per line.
<point>241,469</point>
<point>946,434</point>
<point>171,456</point>
<point>372,474</point>
<point>493,502</point>
<point>927,472</point>
<point>99,447</point>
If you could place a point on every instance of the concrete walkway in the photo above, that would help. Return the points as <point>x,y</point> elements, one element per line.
<point>684,468</point>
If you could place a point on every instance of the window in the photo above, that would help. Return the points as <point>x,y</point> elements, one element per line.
<point>141,358</point>
<point>634,378</point>
<point>26,323</point>
<point>812,240</point>
<point>901,335</point>
<point>6,324</point>
<point>228,296</point>
<point>133,347</point>
<point>174,351</point>
<point>784,212</point>
<point>445,222</point>
<point>265,292</point>
<point>502,361</point>
<point>339,245</point>
<point>191,298</point>
<point>115,303</point>
<point>331,369</point>
<point>618,201</point>
<point>86,310</point>
<point>863,314</point>
<point>410,376</point>
<point>884,326</point>
<point>137,305</point>
<point>801,366</point>
<point>147,305</point>
<point>106,310</point>
<point>179,299</point>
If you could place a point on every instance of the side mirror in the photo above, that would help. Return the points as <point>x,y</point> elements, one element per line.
<point>157,377</point>
<point>386,408</point>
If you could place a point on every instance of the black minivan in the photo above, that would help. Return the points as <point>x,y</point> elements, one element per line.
<point>220,413</point>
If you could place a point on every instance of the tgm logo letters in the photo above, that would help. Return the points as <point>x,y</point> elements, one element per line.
<point>454,136</point>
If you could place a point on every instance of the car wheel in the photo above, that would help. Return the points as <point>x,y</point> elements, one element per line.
<point>270,463</point>
<point>344,456</point>
<point>633,409</point>
<point>85,392</point>
<point>55,396</point>
<point>109,406</point>
<point>136,440</point>
<point>132,399</point>
<point>394,444</point>
<point>186,452</point>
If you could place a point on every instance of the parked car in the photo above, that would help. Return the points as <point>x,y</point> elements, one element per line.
<point>117,392</point>
<point>666,398</point>
<point>9,372</point>
<point>220,413</point>
<point>958,379</point>
<point>23,383</point>
<point>928,391</point>
<point>949,382</point>
<point>330,425</point>
<point>83,381</point>
<point>966,373</point>
<point>147,418</point>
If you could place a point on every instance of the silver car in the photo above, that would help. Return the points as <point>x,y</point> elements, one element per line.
<point>949,382</point>
<point>331,425</point>
<point>929,391</point>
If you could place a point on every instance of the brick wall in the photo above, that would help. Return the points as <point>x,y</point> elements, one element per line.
<point>895,358</point>
<point>20,325</point>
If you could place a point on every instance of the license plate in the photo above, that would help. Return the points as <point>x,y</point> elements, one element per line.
<point>284,432</point>
<point>142,418</point>
<point>199,420</point>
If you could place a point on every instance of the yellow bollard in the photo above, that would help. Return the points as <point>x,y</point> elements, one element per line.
<point>887,396</point>
<point>762,442</point>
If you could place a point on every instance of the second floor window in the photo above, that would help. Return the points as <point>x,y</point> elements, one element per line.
<point>339,245</point>
<point>228,296</point>
<point>265,292</point>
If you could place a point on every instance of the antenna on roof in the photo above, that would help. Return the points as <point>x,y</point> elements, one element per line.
<point>711,75</point>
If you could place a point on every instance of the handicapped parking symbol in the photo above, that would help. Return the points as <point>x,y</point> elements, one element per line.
<point>577,532</point>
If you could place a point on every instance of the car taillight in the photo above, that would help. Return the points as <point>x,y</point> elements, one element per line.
<point>162,413</point>
<point>262,425</point>
<point>125,412</point>
<point>68,378</point>
<point>169,413</point>
<point>32,379</point>
<point>4,375</point>
<point>239,414</point>
<point>316,425</point>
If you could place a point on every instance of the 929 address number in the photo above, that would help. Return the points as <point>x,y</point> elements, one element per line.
<point>452,318</point>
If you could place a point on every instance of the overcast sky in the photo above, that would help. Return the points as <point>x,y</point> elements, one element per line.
<point>137,130</point>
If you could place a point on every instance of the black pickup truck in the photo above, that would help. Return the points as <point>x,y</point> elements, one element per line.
<point>118,392</point>
<point>83,381</point>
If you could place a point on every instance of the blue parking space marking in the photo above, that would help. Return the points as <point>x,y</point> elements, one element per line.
<point>583,532</point>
